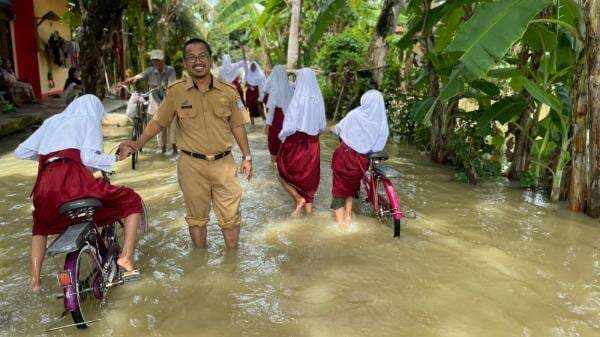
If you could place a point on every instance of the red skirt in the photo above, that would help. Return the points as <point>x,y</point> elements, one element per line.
<point>298,163</point>
<point>252,101</point>
<point>348,168</point>
<point>273,141</point>
<point>67,180</point>
<point>238,86</point>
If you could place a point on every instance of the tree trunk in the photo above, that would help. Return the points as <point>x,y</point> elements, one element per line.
<point>592,18</point>
<point>98,22</point>
<point>378,49</point>
<point>438,142</point>
<point>292,52</point>
<point>579,165</point>
<point>521,157</point>
<point>142,42</point>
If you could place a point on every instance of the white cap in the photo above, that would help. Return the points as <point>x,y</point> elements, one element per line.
<point>156,54</point>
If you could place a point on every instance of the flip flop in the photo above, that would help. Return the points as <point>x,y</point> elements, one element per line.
<point>129,276</point>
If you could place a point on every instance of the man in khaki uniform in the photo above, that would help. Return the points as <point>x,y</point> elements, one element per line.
<point>209,114</point>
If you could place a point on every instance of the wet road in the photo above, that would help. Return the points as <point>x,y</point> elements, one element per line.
<point>486,260</point>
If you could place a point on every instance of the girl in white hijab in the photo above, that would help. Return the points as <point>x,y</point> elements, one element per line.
<point>279,96</point>
<point>229,72</point>
<point>298,161</point>
<point>255,91</point>
<point>362,131</point>
<point>67,147</point>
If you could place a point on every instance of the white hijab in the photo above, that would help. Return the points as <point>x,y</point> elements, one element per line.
<point>228,71</point>
<point>257,77</point>
<point>306,111</point>
<point>365,129</point>
<point>279,90</point>
<point>78,127</point>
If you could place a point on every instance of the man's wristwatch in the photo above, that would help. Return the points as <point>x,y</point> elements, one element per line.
<point>248,158</point>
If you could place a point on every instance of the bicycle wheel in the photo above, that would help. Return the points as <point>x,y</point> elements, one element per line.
<point>386,208</point>
<point>89,287</point>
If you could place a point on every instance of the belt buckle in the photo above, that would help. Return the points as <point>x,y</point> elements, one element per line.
<point>210,157</point>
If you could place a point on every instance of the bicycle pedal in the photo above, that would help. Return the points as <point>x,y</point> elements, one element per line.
<point>131,276</point>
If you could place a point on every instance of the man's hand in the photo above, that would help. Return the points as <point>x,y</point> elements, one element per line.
<point>126,148</point>
<point>246,169</point>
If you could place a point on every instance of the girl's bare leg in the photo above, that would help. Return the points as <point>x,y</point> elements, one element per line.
<point>339,215</point>
<point>38,249</point>
<point>130,225</point>
<point>308,208</point>
<point>300,202</point>
<point>348,210</point>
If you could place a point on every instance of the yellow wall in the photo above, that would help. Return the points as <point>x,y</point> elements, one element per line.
<point>60,74</point>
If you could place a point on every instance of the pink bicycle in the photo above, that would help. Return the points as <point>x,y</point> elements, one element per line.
<point>380,192</point>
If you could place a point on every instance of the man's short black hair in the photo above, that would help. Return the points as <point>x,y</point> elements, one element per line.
<point>197,40</point>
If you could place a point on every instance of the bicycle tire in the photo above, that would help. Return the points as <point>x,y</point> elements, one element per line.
<point>385,210</point>
<point>87,269</point>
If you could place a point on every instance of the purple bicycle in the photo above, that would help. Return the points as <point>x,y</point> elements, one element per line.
<point>379,191</point>
<point>90,268</point>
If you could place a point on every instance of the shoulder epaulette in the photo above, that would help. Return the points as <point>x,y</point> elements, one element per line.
<point>175,82</point>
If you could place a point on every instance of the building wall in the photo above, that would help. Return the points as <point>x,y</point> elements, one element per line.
<point>59,74</point>
<point>23,30</point>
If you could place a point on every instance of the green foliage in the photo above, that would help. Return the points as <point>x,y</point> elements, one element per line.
<point>326,15</point>
<point>337,49</point>
<point>476,155</point>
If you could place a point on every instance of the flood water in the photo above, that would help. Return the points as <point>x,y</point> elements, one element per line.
<point>486,260</point>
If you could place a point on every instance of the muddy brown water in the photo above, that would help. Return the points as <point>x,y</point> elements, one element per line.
<point>486,260</point>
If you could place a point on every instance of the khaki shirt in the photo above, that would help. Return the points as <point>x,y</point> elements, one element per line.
<point>204,120</point>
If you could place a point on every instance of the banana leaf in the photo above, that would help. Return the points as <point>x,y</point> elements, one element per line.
<point>493,29</point>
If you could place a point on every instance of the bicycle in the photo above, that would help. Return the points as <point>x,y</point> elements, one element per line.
<point>379,190</point>
<point>90,267</point>
<point>140,118</point>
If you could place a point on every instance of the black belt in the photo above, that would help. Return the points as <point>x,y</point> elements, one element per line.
<point>208,157</point>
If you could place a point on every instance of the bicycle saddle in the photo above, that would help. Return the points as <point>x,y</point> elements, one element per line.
<point>79,204</point>
<point>379,155</point>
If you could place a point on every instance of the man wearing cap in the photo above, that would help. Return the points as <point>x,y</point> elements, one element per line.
<point>209,115</point>
<point>158,77</point>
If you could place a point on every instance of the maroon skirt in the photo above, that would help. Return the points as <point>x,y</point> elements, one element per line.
<point>67,180</point>
<point>273,141</point>
<point>252,101</point>
<point>238,86</point>
<point>298,163</point>
<point>348,168</point>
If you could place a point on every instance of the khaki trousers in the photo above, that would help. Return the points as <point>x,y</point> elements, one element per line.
<point>210,183</point>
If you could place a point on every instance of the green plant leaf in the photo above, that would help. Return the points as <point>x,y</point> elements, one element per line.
<point>542,95</point>
<point>503,111</point>
<point>539,37</point>
<point>493,29</point>
<point>419,111</point>
<point>486,87</point>
<point>231,8</point>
